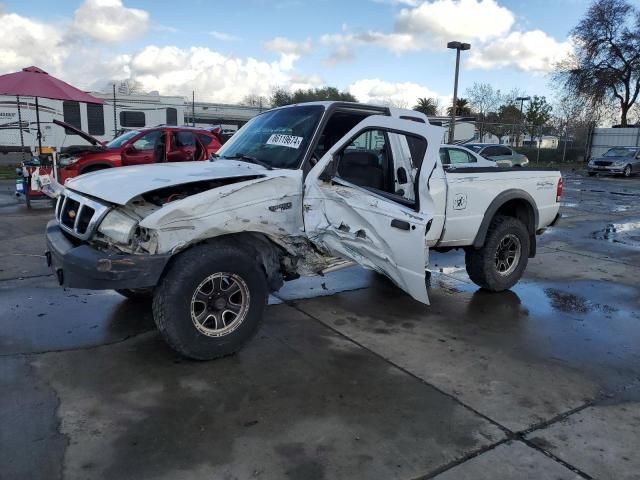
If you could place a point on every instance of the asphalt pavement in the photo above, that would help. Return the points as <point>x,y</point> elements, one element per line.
<point>348,378</point>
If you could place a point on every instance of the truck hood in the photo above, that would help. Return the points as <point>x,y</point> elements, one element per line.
<point>121,185</point>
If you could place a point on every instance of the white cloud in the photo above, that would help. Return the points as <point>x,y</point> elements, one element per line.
<point>285,46</point>
<point>532,51</point>
<point>430,25</point>
<point>28,42</point>
<point>396,42</point>
<point>403,94</point>
<point>464,20</point>
<point>110,20</point>
<point>341,54</point>
<point>214,76</point>
<point>223,37</point>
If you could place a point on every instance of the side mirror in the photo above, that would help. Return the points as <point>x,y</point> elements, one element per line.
<point>130,150</point>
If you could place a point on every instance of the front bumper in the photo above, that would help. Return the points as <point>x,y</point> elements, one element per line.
<point>608,169</point>
<point>86,267</point>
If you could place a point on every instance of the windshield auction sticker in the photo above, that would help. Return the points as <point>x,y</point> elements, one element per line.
<point>290,141</point>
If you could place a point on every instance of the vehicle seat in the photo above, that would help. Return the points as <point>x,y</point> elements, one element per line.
<point>362,168</point>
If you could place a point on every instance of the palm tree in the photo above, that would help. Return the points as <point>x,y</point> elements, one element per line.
<point>462,108</point>
<point>428,106</point>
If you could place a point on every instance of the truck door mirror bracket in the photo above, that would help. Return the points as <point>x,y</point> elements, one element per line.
<point>329,172</point>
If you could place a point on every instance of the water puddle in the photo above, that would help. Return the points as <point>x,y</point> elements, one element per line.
<point>626,233</point>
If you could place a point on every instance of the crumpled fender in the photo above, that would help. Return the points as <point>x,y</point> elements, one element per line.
<point>270,205</point>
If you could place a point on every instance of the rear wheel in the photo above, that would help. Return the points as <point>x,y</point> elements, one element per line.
<point>592,174</point>
<point>210,302</point>
<point>500,263</point>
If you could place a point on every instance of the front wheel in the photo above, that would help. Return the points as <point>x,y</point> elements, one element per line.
<point>210,302</point>
<point>627,171</point>
<point>500,263</point>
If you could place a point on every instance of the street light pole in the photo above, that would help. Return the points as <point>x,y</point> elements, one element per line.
<point>457,46</point>
<point>522,100</point>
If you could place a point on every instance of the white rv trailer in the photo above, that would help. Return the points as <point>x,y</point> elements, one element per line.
<point>18,120</point>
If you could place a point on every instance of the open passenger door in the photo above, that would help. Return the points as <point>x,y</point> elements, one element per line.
<point>354,206</point>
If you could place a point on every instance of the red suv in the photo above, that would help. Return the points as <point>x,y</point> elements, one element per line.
<point>135,147</point>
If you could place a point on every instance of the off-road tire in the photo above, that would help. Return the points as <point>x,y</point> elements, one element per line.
<point>138,294</point>
<point>173,296</point>
<point>481,263</point>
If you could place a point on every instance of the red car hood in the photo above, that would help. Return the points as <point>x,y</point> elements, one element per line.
<point>91,139</point>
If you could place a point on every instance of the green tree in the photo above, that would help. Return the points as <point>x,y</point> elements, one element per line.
<point>428,106</point>
<point>462,108</point>
<point>537,115</point>
<point>281,96</point>
<point>605,65</point>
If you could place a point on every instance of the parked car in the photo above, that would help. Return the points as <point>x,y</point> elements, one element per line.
<point>456,156</point>
<point>501,154</point>
<point>299,190</point>
<point>616,161</point>
<point>135,147</point>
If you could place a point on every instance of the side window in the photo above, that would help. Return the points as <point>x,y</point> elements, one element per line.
<point>147,141</point>
<point>362,160</point>
<point>490,152</point>
<point>185,139</point>
<point>457,157</point>
<point>384,162</point>
<point>204,139</point>
<point>95,119</point>
<point>71,114</point>
<point>132,119</point>
<point>172,116</point>
<point>444,156</point>
<point>503,151</point>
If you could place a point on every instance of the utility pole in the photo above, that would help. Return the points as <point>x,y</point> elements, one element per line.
<point>457,46</point>
<point>115,118</point>
<point>522,100</point>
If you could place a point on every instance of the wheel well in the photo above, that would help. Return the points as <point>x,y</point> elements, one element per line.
<point>520,209</point>
<point>511,204</point>
<point>262,249</point>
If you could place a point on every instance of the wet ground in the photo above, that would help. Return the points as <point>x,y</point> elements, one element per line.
<point>348,378</point>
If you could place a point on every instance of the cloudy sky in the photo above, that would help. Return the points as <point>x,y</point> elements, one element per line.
<point>379,50</point>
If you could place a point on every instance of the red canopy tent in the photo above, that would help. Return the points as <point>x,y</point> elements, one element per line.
<point>35,82</point>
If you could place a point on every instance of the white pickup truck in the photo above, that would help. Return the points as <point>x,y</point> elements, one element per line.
<point>299,190</point>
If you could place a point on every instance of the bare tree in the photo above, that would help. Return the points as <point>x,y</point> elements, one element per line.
<point>484,99</point>
<point>605,65</point>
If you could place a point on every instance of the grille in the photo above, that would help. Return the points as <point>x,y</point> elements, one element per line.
<point>79,215</point>
<point>602,163</point>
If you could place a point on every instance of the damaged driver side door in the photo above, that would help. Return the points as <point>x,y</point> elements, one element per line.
<point>355,208</point>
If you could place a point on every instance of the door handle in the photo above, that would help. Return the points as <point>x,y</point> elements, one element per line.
<point>400,224</point>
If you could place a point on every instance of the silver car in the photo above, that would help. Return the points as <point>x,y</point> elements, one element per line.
<point>616,161</point>
<point>501,154</point>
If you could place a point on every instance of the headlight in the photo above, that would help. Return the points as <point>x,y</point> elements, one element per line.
<point>591,164</point>
<point>65,161</point>
<point>618,163</point>
<point>118,226</point>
